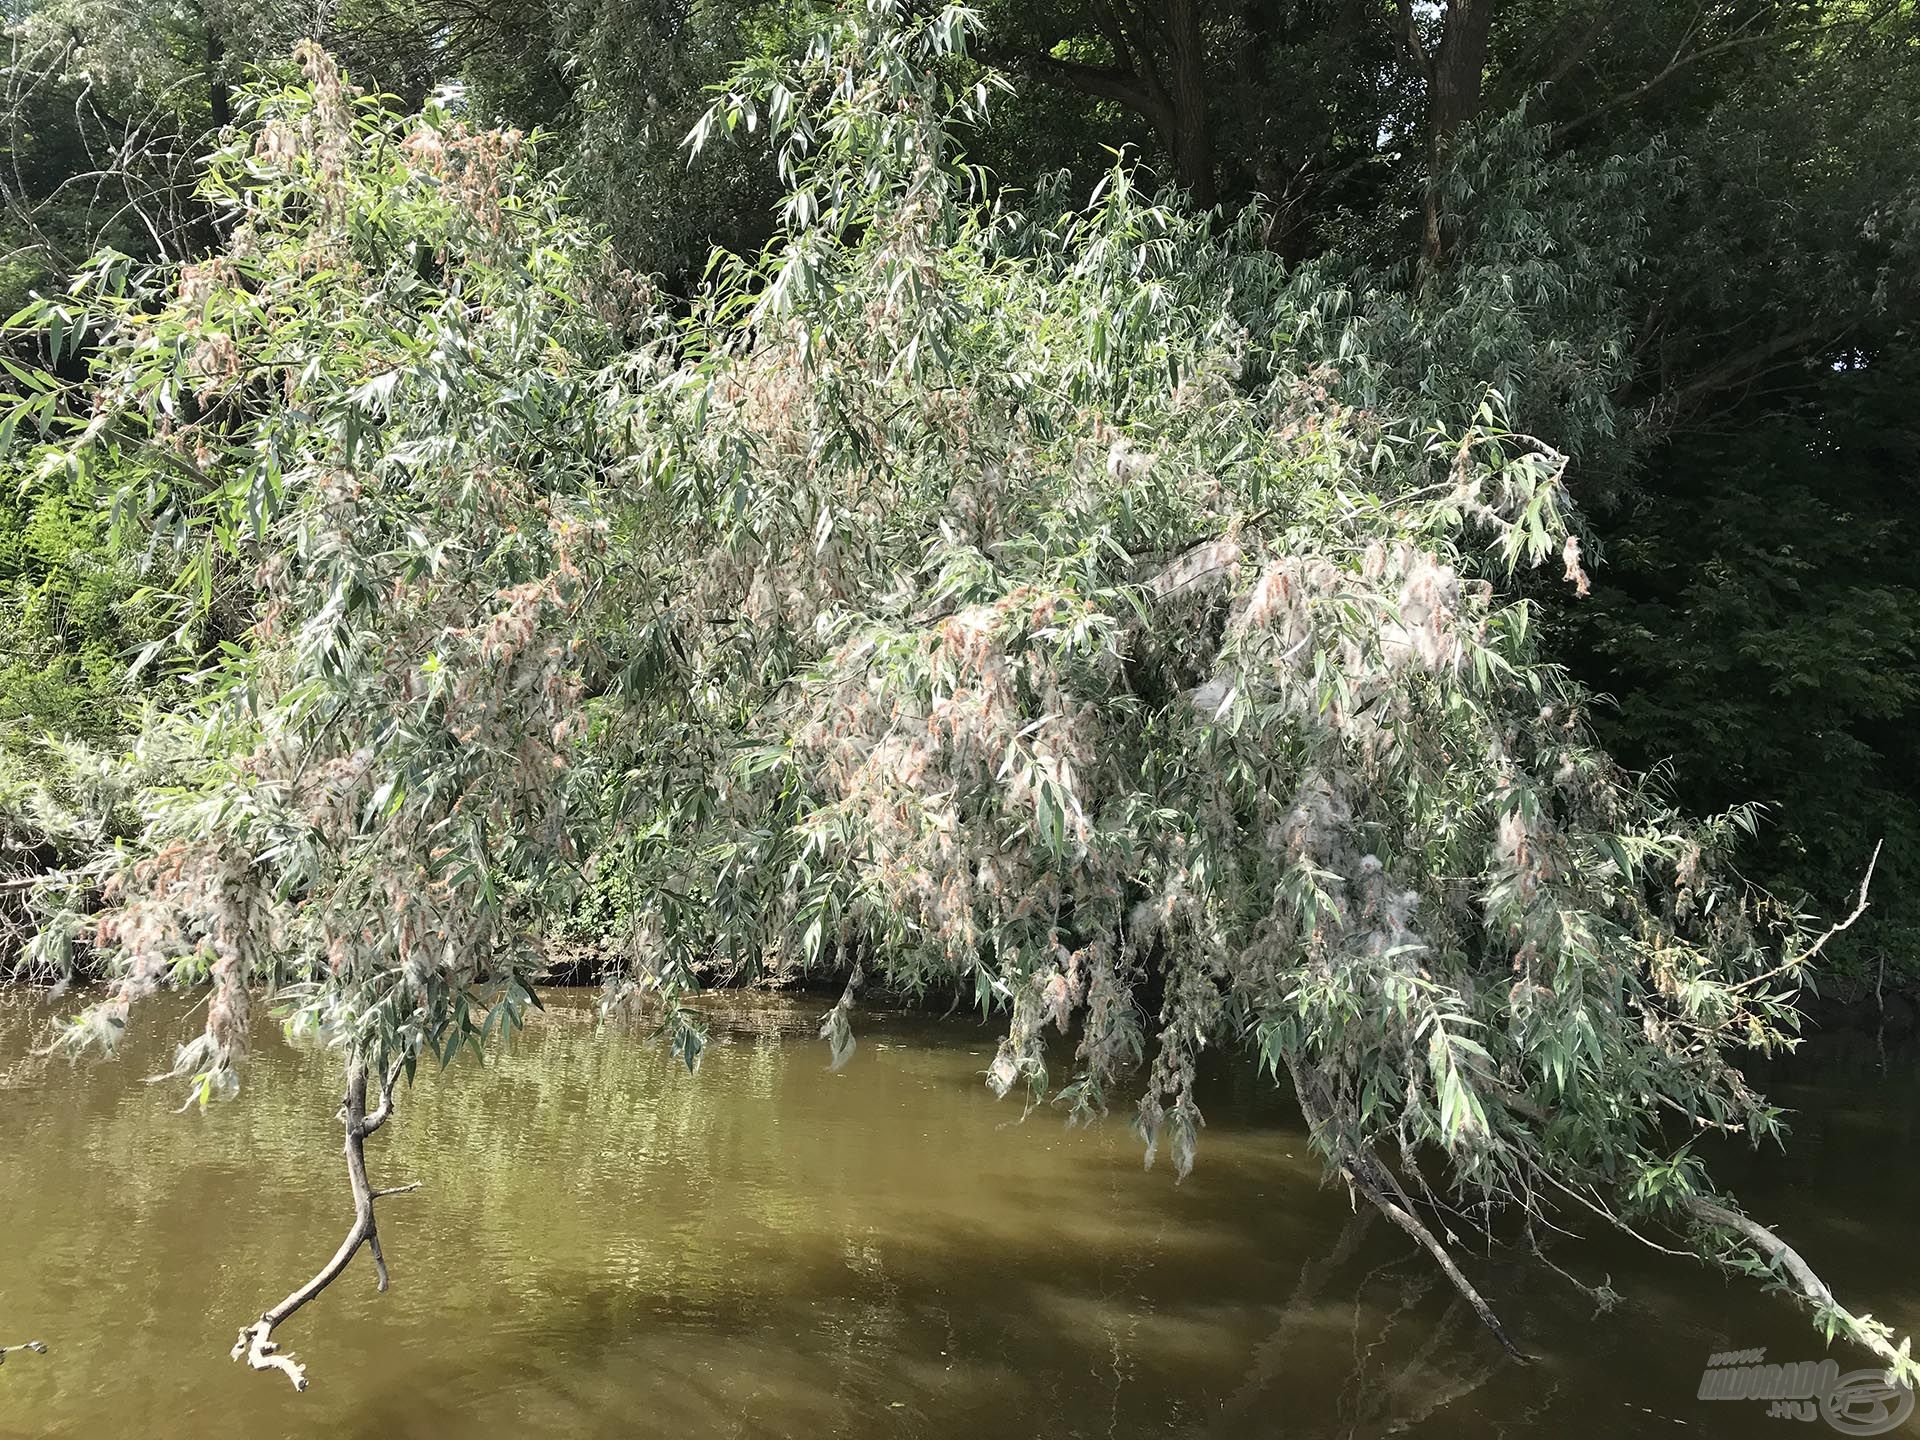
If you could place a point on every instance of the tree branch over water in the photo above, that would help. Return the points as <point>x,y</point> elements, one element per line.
<point>256,1344</point>
<point>1364,1172</point>
<point>1806,1284</point>
<point>1022,640</point>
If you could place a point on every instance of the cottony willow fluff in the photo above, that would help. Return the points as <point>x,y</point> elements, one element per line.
<point>1009,603</point>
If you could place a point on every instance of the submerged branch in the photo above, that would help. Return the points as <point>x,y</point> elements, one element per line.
<point>256,1344</point>
<point>1363,1172</point>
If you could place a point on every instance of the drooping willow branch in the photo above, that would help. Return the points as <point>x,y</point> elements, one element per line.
<point>256,1344</point>
<point>1775,1252</point>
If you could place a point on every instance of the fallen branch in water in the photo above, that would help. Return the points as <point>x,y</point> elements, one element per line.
<point>256,1344</point>
<point>1364,1172</point>
<point>1809,1286</point>
<point>34,1345</point>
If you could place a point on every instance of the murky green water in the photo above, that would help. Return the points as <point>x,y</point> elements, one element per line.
<point>605,1246</point>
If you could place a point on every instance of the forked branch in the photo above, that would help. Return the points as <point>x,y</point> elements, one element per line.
<point>1806,957</point>
<point>256,1344</point>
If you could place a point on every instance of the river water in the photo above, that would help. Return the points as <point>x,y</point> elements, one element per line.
<point>606,1246</point>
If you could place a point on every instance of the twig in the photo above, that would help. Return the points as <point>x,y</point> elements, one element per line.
<point>1807,956</point>
<point>1603,1295</point>
<point>35,1346</point>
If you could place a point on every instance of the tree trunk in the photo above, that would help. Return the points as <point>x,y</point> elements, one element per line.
<point>1458,67</point>
<point>1454,73</point>
<point>1192,139</point>
<point>1159,72</point>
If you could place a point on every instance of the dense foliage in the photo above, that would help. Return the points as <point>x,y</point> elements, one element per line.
<point>1757,626</point>
<point>1641,221</point>
<point>1072,607</point>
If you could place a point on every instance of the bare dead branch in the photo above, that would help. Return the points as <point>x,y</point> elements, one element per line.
<point>1812,952</point>
<point>1859,906</point>
<point>37,1347</point>
<point>255,1343</point>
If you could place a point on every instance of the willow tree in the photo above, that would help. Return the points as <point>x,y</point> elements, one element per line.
<point>1009,604</point>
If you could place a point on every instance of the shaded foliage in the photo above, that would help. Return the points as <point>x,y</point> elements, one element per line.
<point>1758,628</point>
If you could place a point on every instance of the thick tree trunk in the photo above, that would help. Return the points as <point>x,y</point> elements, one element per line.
<point>1454,70</point>
<point>1458,67</point>
<point>1192,139</point>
